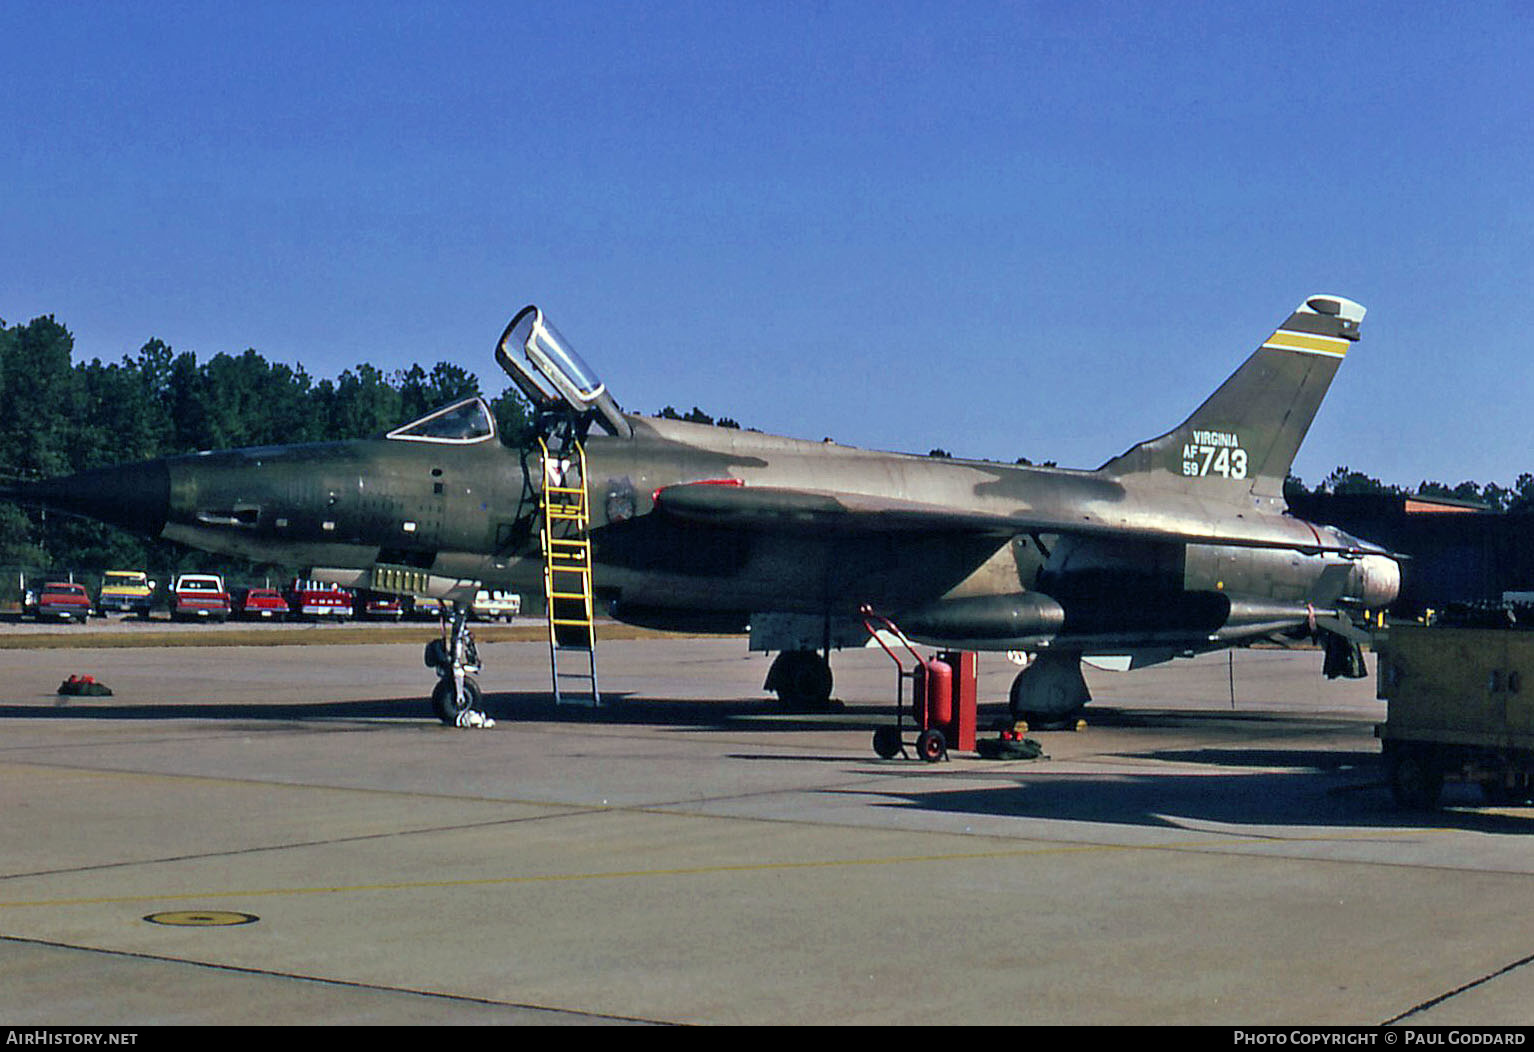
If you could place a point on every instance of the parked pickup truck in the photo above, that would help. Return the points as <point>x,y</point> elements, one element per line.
<point>125,592</point>
<point>495,605</point>
<point>1461,707</point>
<point>59,599</point>
<point>199,596</point>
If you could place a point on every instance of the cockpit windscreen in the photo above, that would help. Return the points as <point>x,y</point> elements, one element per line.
<point>460,423</point>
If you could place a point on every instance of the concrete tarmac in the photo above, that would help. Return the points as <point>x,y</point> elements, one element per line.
<point>1217,847</point>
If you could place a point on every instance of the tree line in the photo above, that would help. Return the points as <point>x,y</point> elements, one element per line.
<point>67,416</point>
<point>1517,498</point>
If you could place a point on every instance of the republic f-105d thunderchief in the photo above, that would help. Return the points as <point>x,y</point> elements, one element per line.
<point>1181,545</point>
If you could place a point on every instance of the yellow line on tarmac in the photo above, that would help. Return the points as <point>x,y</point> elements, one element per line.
<point>683,871</point>
<point>260,785</point>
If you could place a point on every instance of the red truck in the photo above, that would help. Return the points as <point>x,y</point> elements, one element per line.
<point>199,597</point>
<point>318,600</point>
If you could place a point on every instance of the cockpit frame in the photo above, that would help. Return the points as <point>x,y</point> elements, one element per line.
<point>451,425</point>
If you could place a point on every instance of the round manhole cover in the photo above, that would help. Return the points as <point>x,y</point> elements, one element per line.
<point>201,918</point>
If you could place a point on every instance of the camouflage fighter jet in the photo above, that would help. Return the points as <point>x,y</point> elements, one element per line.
<point>1179,546</point>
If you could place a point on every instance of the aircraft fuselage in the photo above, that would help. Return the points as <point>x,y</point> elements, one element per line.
<point>466,515</point>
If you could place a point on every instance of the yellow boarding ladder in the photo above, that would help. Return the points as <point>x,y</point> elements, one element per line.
<point>567,571</point>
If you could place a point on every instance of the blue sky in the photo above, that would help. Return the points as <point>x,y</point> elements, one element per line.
<point>1041,229</point>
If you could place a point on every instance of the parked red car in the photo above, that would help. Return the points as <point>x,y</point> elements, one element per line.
<point>259,604</point>
<point>60,599</point>
<point>375,606</point>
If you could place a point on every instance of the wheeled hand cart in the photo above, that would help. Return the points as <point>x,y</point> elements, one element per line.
<point>942,696</point>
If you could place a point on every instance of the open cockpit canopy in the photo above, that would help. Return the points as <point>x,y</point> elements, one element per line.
<point>545,366</point>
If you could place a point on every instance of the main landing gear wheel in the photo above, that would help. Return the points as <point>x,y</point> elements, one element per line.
<point>449,704</point>
<point>1050,692</point>
<point>801,679</point>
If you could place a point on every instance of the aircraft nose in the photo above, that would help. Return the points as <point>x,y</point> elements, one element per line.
<point>135,497</point>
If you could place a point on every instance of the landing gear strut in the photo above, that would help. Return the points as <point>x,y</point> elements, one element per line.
<point>801,679</point>
<point>1050,690</point>
<point>456,699</point>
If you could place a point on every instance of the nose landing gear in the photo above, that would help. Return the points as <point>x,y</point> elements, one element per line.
<point>457,699</point>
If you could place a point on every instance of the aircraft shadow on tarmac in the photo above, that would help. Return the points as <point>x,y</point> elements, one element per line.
<point>1287,787</point>
<point>1282,788</point>
<point>750,714</point>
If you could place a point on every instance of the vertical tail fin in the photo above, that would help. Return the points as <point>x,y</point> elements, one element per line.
<point>1245,436</point>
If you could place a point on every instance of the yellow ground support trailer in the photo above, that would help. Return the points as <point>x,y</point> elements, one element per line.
<point>1461,706</point>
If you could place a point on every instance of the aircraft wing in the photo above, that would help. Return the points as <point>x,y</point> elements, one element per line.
<point>738,506</point>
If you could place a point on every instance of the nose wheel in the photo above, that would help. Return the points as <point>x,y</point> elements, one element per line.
<point>456,699</point>
<point>452,701</point>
